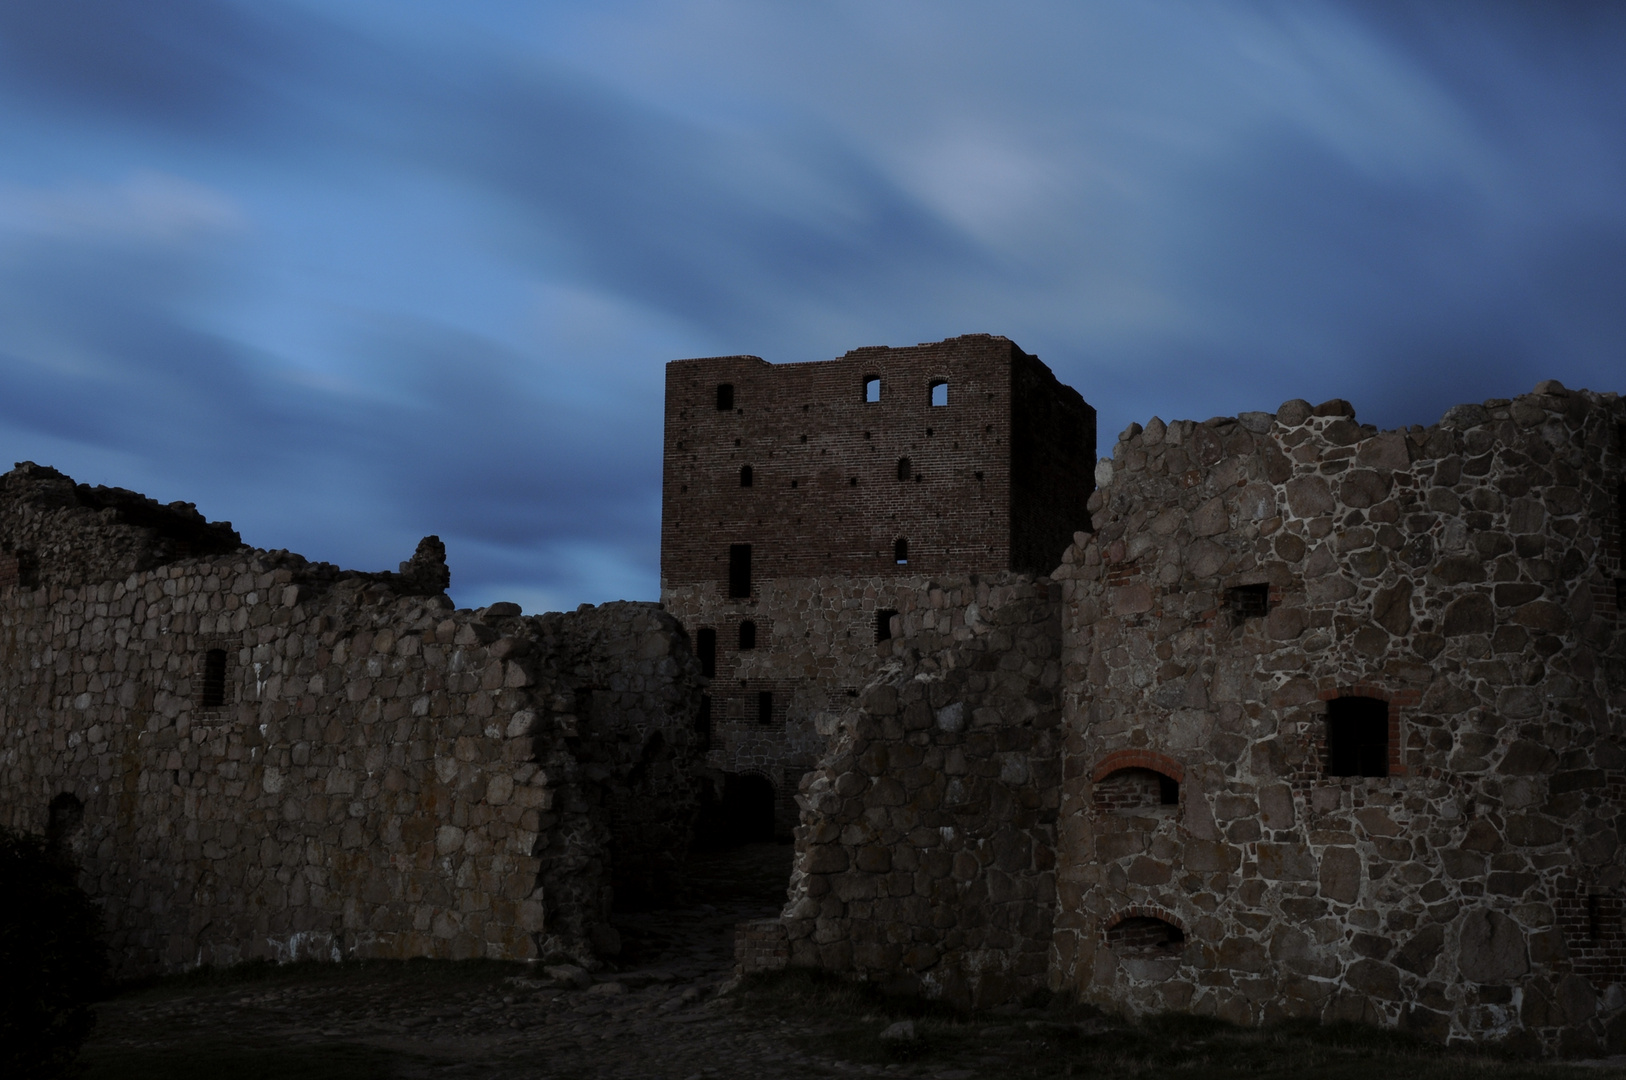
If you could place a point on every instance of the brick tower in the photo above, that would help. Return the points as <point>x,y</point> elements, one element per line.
<point>805,505</point>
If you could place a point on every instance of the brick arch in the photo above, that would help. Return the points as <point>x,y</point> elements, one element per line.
<point>1138,759</point>
<point>1142,911</point>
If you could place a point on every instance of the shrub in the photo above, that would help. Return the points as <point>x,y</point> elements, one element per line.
<point>53,961</point>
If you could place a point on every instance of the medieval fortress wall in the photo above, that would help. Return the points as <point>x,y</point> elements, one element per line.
<point>255,756</point>
<point>1341,736</point>
<point>1307,720</point>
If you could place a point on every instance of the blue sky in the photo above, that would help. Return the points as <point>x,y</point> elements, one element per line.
<point>347,273</point>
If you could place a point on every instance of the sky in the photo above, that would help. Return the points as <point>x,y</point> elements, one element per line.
<point>352,272</point>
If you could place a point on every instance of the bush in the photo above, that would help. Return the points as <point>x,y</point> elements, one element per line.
<point>53,961</point>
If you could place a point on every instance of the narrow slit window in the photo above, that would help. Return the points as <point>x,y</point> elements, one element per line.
<point>905,468</point>
<point>1357,737</point>
<point>748,634</point>
<point>705,647</point>
<point>764,706</point>
<point>725,397</point>
<point>739,571</point>
<point>939,393</point>
<point>900,551</point>
<point>745,476</point>
<point>872,388</point>
<point>214,679</point>
<point>883,624</point>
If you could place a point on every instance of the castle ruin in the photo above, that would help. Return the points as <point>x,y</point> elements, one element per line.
<point>1264,717</point>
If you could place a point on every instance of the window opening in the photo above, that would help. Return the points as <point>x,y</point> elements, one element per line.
<point>63,818</point>
<point>1135,791</point>
<point>214,679</point>
<point>702,724</point>
<point>1247,601</point>
<point>939,392</point>
<point>745,476</point>
<point>764,706</point>
<point>739,570</point>
<point>852,481</point>
<point>900,551</point>
<point>725,397</point>
<point>905,469</point>
<point>1357,737</point>
<point>883,624</point>
<point>872,388</point>
<point>1143,935</point>
<point>748,634</point>
<point>705,647</point>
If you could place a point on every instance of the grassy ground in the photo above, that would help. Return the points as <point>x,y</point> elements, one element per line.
<point>187,1046</point>
<point>1069,1041</point>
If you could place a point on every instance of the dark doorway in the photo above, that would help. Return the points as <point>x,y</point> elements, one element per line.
<point>742,812</point>
<point>65,816</point>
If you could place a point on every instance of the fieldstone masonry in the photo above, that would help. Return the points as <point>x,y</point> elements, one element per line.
<point>372,773</point>
<point>1339,735</point>
<point>1311,720</point>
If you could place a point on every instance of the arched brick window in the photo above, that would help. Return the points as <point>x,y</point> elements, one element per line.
<point>872,388</point>
<point>1145,933</point>
<point>1136,782</point>
<point>939,392</point>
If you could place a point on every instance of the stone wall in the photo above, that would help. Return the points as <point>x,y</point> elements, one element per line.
<point>995,479</point>
<point>1463,576</point>
<point>357,770</point>
<point>925,860</point>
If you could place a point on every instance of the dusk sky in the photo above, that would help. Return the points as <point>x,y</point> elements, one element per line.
<point>351,272</point>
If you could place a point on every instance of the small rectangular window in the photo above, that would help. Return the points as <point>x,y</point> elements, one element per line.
<point>748,635</point>
<point>214,679</point>
<point>900,552</point>
<point>940,393</point>
<point>705,647</point>
<point>1357,737</point>
<point>764,706</point>
<point>725,397</point>
<point>872,388</point>
<point>883,624</point>
<point>739,570</point>
<point>1248,601</point>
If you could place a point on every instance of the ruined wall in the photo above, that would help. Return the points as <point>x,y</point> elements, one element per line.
<point>925,858</point>
<point>363,770</point>
<point>836,481</point>
<point>1465,576</point>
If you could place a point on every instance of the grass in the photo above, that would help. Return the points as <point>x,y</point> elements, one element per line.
<point>258,974</point>
<point>1062,1040</point>
<point>211,1059</point>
